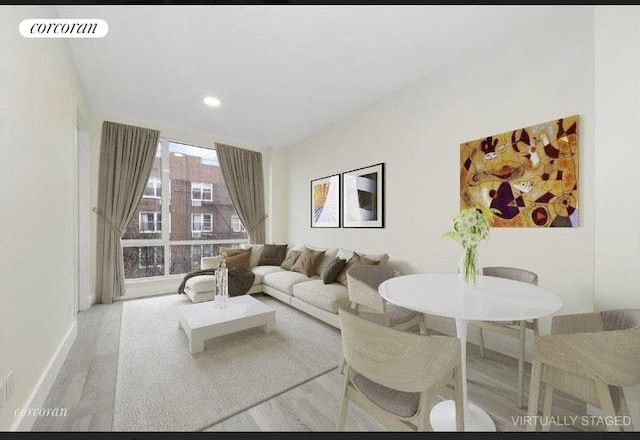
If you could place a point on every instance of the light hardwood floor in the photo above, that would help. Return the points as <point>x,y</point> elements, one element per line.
<point>86,387</point>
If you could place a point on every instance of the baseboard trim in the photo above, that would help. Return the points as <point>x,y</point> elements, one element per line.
<point>41,390</point>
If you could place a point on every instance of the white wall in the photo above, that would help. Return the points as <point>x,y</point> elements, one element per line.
<point>39,92</point>
<point>617,98</point>
<point>540,73</point>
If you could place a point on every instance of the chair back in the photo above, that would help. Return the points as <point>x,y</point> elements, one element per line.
<point>395,359</point>
<point>621,319</point>
<point>622,327</point>
<point>512,273</point>
<point>363,283</point>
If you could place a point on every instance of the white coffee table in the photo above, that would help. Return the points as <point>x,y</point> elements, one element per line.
<point>204,321</point>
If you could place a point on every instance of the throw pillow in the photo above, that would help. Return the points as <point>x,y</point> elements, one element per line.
<point>273,255</point>
<point>356,260</point>
<point>331,272</point>
<point>236,258</point>
<point>307,262</point>
<point>288,262</point>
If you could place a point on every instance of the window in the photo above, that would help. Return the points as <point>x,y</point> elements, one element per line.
<point>201,191</point>
<point>150,257</point>
<point>200,223</point>
<point>198,251</point>
<point>150,222</point>
<point>180,191</point>
<point>153,189</point>
<point>236,224</point>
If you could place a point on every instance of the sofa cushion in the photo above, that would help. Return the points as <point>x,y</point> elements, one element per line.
<point>210,262</point>
<point>261,271</point>
<point>308,261</point>
<point>284,280</point>
<point>356,260</point>
<point>329,297</point>
<point>347,254</point>
<point>201,283</point>
<point>288,262</point>
<point>273,255</point>
<point>256,253</point>
<point>236,258</point>
<point>197,297</point>
<point>330,273</point>
<point>327,258</point>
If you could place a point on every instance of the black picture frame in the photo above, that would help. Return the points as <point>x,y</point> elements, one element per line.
<point>325,202</point>
<point>363,197</point>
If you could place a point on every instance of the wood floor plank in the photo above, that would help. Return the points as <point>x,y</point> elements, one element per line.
<point>87,382</point>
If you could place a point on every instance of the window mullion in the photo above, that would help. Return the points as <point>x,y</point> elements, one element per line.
<point>165,200</point>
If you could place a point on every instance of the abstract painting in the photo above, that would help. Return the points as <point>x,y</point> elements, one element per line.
<point>363,197</point>
<point>528,176</point>
<point>325,202</point>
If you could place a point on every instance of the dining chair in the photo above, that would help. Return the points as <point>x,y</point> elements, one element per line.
<point>395,375</point>
<point>590,356</point>
<point>511,328</point>
<point>362,284</point>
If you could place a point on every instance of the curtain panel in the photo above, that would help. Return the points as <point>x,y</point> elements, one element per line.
<point>242,172</point>
<point>126,159</point>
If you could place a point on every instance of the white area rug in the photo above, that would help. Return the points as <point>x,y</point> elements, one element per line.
<point>162,387</point>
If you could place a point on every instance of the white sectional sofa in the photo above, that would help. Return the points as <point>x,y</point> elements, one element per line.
<point>308,294</point>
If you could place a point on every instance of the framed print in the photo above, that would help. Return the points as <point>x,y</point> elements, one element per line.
<point>363,197</point>
<point>325,202</point>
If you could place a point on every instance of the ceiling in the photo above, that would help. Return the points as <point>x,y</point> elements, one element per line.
<point>281,72</point>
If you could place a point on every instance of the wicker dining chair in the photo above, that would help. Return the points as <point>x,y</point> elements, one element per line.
<point>395,375</point>
<point>515,329</point>
<point>590,356</point>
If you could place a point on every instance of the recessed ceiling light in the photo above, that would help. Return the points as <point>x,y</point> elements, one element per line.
<point>212,101</point>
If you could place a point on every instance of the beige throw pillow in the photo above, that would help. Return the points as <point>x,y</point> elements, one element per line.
<point>236,258</point>
<point>307,262</point>
<point>288,262</point>
<point>355,260</point>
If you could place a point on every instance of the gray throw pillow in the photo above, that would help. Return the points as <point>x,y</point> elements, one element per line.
<point>333,269</point>
<point>273,255</point>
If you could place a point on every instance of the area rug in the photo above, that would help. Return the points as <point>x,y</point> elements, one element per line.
<point>160,386</point>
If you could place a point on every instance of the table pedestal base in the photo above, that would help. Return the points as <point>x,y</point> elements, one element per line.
<point>443,418</point>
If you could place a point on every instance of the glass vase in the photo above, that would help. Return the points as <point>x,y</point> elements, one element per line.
<point>222,288</point>
<point>469,269</point>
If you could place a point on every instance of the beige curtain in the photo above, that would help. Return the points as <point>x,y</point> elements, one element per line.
<point>126,158</point>
<point>242,172</point>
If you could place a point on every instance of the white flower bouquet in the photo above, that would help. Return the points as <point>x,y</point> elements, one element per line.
<point>469,227</point>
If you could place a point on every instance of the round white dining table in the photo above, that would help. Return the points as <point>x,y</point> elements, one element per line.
<point>493,299</point>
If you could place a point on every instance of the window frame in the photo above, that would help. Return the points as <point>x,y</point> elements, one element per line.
<point>200,186</point>
<point>157,187</point>
<point>157,222</point>
<point>235,218</point>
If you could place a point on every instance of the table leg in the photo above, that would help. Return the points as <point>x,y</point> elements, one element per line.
<point>443,415</point>
<point>196,344</point>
